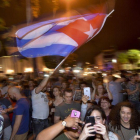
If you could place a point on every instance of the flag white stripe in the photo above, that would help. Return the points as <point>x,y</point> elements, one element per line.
<point>43,41</point>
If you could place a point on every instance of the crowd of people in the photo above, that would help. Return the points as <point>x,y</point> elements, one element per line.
<point>40,108</point>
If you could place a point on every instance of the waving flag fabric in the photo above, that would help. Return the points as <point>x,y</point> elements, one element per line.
<point>59,36</point>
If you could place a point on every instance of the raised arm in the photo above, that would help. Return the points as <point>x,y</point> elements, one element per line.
<point>52,131</point>
<point>109,92</point>
<point>94,91</point>
<point>42,84</point>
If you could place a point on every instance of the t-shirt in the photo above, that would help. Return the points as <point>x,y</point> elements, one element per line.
<point>115,88</point>
<point>1,126</point>
<point>40,105</point>
<point>134,96</point>
<point>63,110</point>
<point>61,137</point>
<point>22,108</point>
<point>112,136</point>
<point>4,104</point>
<point>124,132</point>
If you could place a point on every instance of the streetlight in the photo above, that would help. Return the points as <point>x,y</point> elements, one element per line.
<point>114,60</point>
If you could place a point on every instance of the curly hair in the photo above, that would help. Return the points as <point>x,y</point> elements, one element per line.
<point>116,119</point>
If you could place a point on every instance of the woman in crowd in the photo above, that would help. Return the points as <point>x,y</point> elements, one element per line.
<point>55,102</point>
<point>58,99</point>
<point>99,128</point>
<point>124,121</point>
<point>105,104</point>
<point>100,91</point>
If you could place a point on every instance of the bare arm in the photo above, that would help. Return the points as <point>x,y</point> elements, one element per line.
<point>94,91</point>
<point>109,92</point>
<point>41,85</point>
<point>56,119</point>
<point>16,126</point>
<point>52,131</point>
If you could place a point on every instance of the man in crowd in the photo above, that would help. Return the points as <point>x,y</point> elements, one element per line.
<point>116,88</point>
<point>40,108</point>
<point>20,122</point>
<point>133,91</point>
<point>65,108</point>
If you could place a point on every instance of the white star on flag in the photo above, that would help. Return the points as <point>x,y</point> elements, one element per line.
<point>90,32</point>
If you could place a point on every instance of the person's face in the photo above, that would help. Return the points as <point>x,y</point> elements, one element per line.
<point>100,89</point>
<point>97,116</point>
<point>68,97</point>
<point>64,85</point>
<point>60,78</point>
<point>56,92</point>
<point>125,115</point>
<point>82,86</point>
<point>133,79</point>
<point>71,86</point>
<point>31,87</point>
<point>105,104</point>
<point>137,77</point>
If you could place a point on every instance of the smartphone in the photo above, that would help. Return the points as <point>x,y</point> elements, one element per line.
<point>87,92</point>
<point>75,114</point>
<point>90,119</point>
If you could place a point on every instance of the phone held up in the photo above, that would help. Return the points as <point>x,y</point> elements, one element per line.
<point>90,119</point>
<point>75,114</point>
<point>87,92</point>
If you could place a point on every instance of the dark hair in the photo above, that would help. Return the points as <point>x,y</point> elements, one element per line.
<point>95,107</point>
<point>116,119</point>
<point>67,90</point>
<point>83,82</point>
<point>104,98</point>
<point>57,88</point>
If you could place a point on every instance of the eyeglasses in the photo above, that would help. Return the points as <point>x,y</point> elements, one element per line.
<point>104,102</point>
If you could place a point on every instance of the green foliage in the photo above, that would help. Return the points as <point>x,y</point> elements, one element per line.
<point>122,58</point>
<point>133,56</point>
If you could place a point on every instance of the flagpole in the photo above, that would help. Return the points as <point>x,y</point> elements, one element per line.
<point>61,62</point>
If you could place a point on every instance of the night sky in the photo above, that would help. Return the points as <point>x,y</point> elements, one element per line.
<point>121,31</point>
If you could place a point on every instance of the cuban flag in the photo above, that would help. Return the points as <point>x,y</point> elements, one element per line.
<point>59,36</point>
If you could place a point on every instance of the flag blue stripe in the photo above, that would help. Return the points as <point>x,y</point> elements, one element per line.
<point>55,49</point>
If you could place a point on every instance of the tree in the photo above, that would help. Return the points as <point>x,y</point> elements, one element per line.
<point>133,56</point>
<point>122,58</point>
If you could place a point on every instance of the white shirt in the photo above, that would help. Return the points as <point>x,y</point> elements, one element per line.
<point>40,105</point>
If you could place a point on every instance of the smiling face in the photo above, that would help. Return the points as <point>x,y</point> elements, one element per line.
<point>98,117</point>
<point>105,104</point>
<point>125,115</point>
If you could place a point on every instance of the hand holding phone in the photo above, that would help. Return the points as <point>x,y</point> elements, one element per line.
<point>90,119</point>
<point>75,114</point>
<point>87,92</point>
